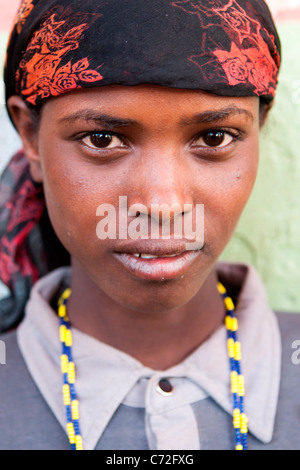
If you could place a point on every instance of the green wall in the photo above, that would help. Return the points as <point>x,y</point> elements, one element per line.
<point>268,234</point>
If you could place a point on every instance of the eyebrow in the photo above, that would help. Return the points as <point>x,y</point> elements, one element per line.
<point>94,117</point>
<point>217,115</point>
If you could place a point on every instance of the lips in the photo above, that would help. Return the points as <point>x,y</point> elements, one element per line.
<point>156,260</point>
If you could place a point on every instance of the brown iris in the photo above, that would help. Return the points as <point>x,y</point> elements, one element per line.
<point>214,138</point>
<point>101,139</point>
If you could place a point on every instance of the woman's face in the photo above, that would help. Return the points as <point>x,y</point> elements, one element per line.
<point>148,148</point>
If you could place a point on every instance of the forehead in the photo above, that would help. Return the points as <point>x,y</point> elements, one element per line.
<point>138,102</point>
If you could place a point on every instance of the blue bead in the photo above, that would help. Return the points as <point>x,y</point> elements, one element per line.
<point>68,413</point>
<point>76,427</point>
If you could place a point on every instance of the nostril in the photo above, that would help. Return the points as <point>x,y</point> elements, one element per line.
<point>137,209</point>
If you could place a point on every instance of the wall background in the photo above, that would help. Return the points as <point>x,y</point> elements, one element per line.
<point>268,235</point>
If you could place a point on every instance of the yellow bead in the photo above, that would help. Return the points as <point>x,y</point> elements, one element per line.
<point>239,447</point>
<point>71,372</point>
<point>71,433</point>
<point>244,422</point>
<point>68,337</point>
<point>228,322</point>
<point>66,294</point>
<point>78,441</point>
<point>62,311</point>
<point>64,363</point>
<point>234,382</point>
<point>62,333</point>
<point>230,347</point>
<point>229,304</point>
<point>236,418</point>
<point>241,386</point>
<point>66,394</point>
<point>75,409</point>
<point>237,351</point>
<point>221,288</point>
<point>231,323</point>
<point>234,324</point>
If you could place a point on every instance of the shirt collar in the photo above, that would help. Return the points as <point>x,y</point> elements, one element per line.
<point>104,375</point>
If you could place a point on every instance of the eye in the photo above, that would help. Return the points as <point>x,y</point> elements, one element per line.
<point>214,138</point>
<point>102,140</point>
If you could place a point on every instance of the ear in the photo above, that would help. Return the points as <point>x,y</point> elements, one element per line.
<point>27,128</point>
<point>264,112</point>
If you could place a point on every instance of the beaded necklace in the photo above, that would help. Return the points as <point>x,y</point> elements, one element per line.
<point>68,373</point>
<point>236,378</point>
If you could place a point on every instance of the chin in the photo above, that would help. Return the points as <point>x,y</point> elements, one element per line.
<point>161,297</point>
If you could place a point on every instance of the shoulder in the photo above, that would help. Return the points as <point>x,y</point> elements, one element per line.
<point>287,426</point>
<point>14,374</point>
<point>23,410</point>
<point>287,320</point>
<point>289,326</point>
<point>9,348</point>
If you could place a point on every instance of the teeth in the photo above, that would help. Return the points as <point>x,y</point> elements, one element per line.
<point>148,256</point>
<point>170,256</point>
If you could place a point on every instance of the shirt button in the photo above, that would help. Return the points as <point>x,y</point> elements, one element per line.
<point>165,388</point>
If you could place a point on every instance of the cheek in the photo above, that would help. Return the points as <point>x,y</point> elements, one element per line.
<point>225,192</point>
<point>72,196</point>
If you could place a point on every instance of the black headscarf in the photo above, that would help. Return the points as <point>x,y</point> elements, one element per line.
<point>225,47</point>
<point>228,48</point>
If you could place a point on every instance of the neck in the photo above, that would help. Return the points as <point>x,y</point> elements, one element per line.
<point>159,340</point>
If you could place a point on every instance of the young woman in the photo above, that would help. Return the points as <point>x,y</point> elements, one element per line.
<point>135,116</point>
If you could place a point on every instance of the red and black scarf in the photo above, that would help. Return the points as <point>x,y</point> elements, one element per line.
<point>229,48</point>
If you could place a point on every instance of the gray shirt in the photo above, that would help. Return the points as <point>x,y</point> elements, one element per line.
<point>121,403</point>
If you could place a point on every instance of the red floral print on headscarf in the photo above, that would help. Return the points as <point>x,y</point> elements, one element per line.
<point>40,73</point>
<point>249,60</point>
<point>25,9</point>
<point>251,67</point>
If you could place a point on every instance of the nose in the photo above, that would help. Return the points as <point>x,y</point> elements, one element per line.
<point>162,188</point>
